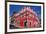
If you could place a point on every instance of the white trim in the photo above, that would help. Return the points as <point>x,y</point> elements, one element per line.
<point>29,29</point>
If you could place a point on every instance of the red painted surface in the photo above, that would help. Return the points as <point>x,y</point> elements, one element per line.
<point>21,22</point>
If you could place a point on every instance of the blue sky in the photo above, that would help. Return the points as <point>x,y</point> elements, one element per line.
<point>17,8</point>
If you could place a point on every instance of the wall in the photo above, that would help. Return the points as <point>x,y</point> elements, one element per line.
<point>2,18</point>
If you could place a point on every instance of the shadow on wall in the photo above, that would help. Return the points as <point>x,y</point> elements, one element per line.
<point>12,33</point>
<point>18,0</point>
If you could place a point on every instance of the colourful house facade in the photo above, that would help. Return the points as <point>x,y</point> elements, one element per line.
<point>26,18</point>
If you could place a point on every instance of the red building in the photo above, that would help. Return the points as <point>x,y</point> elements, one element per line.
<point>26,18</point>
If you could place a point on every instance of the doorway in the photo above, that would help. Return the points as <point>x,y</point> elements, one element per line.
<point>25,24</point>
